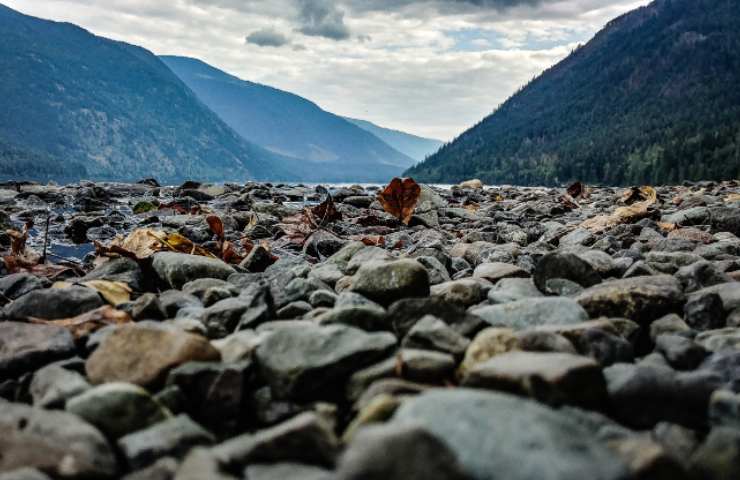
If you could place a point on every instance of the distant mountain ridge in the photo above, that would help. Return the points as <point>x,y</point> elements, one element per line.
<point>652,98</point>
<point>323,146</point>
<point>414,146</point>
<point>76,105</point>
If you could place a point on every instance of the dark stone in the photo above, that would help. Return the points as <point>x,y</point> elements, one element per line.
<point>18,284</point>
<point>215,393</point>
<point>25,347</point>
<point>398,452</point>
<point>705,312</point>
<point>54,303</point>
<point>564,265</point>
<point>682,353</point>
<point>173,437</point>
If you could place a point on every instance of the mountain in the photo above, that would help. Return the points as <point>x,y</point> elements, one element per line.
<point>413,146</point>
<point>75,105</point>
<point>652,98</point>
<point>324,146</point>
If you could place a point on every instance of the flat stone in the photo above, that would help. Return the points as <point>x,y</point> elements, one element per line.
<point>55,442</point>
<point>308,363</point>
<point>642,299</point>
<point>117,409</point>
<point>434,334</point>
<point>53,385</point>
<point>532,312</point>
<point>177,269</point>
<point>306,438</point>
<point>25,347</point>
<point>54,303</point>
<point>553,378</point>
<point>489,432</point>
<point>567,266</point>
<point>495,271</point>
<point>172,437</point>
<point>398,452</point>
<point>144,355</point>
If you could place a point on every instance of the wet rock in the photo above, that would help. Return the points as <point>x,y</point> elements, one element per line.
<point>117,409</point>
<point>55,442</point>
<point>385,282</point>
<point>489,431</point>
<point>25,347</point>
<point>172,437</point>
<point>54,303</point>
<point>309,363</point>
<point>147,307</point>
<point>177,269</point>
<point>144,355</point>
<point>553,378</point>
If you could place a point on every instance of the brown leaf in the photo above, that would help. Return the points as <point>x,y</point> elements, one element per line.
<point>87,323</point>
<point>641,194</point>
<point>371,240</point>
<point>399,198</point>
<point>577,190</point>
<point>216,225</point>
<point>114,293</point>
<point>569,202</point>
<point>326,212</point>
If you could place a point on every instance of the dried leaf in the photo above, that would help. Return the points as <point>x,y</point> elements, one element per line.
<point>114,293</point>
<point>216,225</point>
<point>182,244</point>
<point>471,207</point>
<point>399,198</point>
<point>667,227</point>
<point>87,323</point>
<point>733,197</point>
<point>641,194</point>
<point>140,244</point>
<point>577,190</point>
<point>569,202</point>
<point>371,240</point>
<point>326,212</point>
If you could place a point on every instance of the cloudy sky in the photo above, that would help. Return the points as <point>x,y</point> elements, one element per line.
<point>430,67</point>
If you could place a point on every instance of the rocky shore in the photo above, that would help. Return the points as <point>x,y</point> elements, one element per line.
<point>287,332</point>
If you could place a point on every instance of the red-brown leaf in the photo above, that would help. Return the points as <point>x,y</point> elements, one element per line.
<point>399,198</point>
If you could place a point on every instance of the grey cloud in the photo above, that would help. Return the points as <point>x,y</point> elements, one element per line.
<point>322,18</point>
<point>267,37</point>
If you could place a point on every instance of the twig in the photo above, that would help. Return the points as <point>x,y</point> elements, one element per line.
<point>46,237</point>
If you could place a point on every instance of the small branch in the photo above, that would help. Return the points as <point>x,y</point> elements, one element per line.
<point>46,237</point>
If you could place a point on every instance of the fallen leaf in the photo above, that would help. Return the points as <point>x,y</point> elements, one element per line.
<point>114,293</point>
<point>733,197</point>
<point>641,194</point>
<point>89,322</point>
<point>569,202</point>
<point>577,190</point>
<point>216,225</point>
<point>399,198</point>
<point>326,211</point>
<point>471,207</point>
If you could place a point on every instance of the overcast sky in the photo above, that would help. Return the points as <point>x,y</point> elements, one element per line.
<point>430,67</point>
